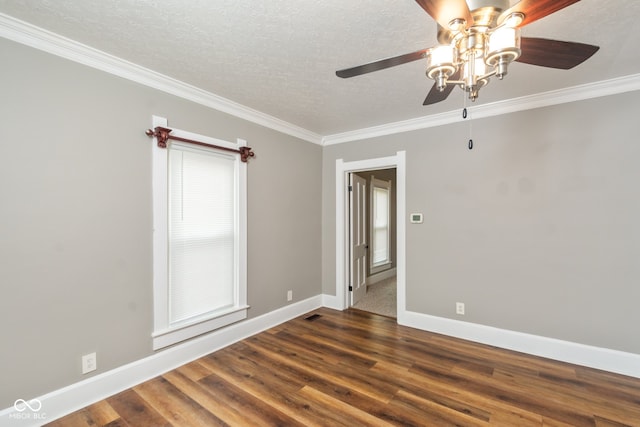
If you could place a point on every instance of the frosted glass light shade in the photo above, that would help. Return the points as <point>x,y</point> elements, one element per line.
<point>504,45</point>
<point>504,38</point>
<point>440,60</point>
<point>478,69</point>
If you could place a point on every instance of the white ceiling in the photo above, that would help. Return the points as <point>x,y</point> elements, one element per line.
<point>280,56</point>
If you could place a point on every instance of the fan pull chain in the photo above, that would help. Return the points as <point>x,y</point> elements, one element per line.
<point>465,114</point>
<point>470,134</point>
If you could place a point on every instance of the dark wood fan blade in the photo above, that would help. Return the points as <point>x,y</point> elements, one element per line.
<point>444,11</point>
<point>382,64</point>
<point>554,53</point>
<point>436,96</point>
<point>536,9</point>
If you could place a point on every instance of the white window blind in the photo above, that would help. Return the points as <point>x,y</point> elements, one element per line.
<point>202,232</point>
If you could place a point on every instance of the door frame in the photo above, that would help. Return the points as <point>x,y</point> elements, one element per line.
<point>397,161</point>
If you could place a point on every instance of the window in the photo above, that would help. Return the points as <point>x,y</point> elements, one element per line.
<point>380,223</point>
<point>199,239</point>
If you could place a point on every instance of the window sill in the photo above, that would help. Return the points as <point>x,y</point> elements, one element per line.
<point>176,334</point>
<point>377,268</point>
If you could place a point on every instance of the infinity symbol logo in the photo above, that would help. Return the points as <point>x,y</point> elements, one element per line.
<point>21,405</point>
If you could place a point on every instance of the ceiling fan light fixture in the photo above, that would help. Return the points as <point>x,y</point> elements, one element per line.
<point>474,76</point>
<point>503,48</point>
<point>457,25</point>
<point>441,64</point>
<point>513,20</point>
<point>473,70</point>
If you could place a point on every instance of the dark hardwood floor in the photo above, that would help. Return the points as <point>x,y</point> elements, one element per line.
<point>353,368</point>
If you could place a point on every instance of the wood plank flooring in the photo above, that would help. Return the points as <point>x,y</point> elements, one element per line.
<point>354,368</point>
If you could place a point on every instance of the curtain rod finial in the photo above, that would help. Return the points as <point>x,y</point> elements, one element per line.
<point>162,134</point>
<point>245,153</point>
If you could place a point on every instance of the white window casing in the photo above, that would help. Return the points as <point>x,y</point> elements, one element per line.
<point>199,238</point>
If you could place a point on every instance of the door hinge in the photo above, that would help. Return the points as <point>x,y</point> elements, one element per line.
<point>351,188</point>
<point>350,288</point>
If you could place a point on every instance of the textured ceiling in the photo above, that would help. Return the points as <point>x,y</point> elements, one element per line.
<point>280,56</point>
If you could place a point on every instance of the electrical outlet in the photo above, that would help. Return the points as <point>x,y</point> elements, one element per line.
<point>89,363</point>
<point>460,308</point>
<point>289,295</point>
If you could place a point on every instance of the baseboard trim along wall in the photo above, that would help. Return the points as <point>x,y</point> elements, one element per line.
<point>81,394</point>
<point>331,301</point>
<point>578,354</point>
<point>379,277</point>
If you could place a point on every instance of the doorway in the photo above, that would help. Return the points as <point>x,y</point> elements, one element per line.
<point>372,234</point>
<point>343,171</point>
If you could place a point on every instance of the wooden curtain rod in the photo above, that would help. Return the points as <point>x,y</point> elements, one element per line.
<point>162,134</point>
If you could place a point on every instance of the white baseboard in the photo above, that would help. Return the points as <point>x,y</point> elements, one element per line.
<point>332,301</point>
<point>579,354</point>
<point>81,394</point>
<point>378,277</point>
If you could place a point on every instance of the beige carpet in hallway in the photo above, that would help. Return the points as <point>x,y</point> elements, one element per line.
<point>381,298</point>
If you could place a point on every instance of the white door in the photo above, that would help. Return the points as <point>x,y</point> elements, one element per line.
<point>358,245</point>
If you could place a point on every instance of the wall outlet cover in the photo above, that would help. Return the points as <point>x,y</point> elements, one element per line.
<point>89,363</point>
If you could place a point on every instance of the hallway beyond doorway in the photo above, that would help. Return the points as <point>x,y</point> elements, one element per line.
<point>381,298</point>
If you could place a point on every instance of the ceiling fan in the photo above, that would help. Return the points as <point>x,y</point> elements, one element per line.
<point>478,39</point>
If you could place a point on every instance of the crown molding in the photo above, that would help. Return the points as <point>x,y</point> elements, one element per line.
<point>555,97</point>
<point>39,38</point>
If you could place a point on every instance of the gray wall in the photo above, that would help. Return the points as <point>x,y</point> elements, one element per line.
<point>535,229</point>
<point>76,217</point>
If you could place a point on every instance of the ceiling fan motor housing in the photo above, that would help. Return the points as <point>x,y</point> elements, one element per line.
<point>485,12</point>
